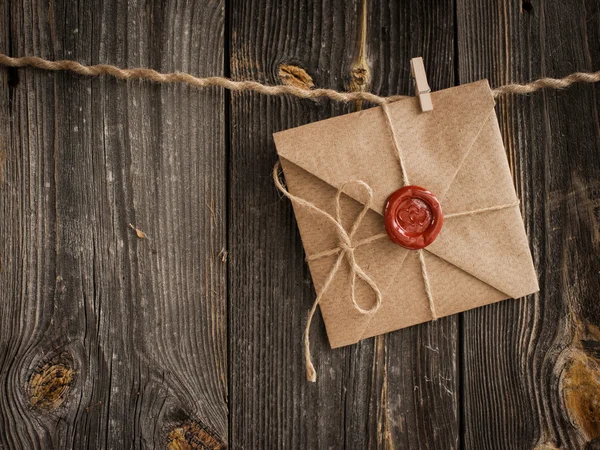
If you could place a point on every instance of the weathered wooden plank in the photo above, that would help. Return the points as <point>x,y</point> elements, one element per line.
<point>107,339</point>
<point>393,391</point>
<point>530,365</point>
<point>403,387</point>
<point>114,338</point>
<point>271,404</point>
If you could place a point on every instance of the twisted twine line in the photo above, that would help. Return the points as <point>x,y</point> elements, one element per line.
<point>226,83</point>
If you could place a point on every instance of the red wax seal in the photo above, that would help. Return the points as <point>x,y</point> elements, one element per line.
<point>413,217</point>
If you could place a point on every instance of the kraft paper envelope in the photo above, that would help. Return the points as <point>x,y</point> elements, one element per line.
<point>454,151</point>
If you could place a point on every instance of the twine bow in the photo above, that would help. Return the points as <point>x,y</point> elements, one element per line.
<point>345,250</point>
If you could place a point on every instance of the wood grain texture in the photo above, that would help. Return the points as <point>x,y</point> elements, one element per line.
<point>153,289</point>
<point>122,338</point>
<point>271,403</point>
<point>395,391</point>
<point>531,365</point>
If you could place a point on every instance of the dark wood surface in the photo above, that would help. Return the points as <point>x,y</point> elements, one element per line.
<point>395,391</point>
<point>108,340</point>
<point>187,332</point>
<point>530,366</point>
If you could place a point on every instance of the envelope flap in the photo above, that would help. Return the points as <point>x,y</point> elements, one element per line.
<point>359,146</point>
<point>490,245</point>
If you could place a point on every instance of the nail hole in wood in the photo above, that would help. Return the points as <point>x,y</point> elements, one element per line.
<point>527,6</point>
<point>12,77</point>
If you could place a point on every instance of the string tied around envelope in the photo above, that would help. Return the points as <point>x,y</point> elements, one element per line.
<point>344,251</point>
<point>346,246</point>
<point>427,284</point>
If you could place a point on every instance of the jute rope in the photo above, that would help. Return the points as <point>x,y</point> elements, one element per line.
<point>182,77</point>
<point>346,247</point>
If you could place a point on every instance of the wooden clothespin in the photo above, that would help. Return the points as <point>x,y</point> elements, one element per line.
<point>422,88</point>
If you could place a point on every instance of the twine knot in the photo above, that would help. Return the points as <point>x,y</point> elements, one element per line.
<point>346,247</point>
<point>345,250</point>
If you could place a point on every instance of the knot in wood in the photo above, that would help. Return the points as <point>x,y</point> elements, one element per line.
<point>192,436</point>
<point>49,386</point>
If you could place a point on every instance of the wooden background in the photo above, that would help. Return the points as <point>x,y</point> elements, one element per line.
<point>190,338</point>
